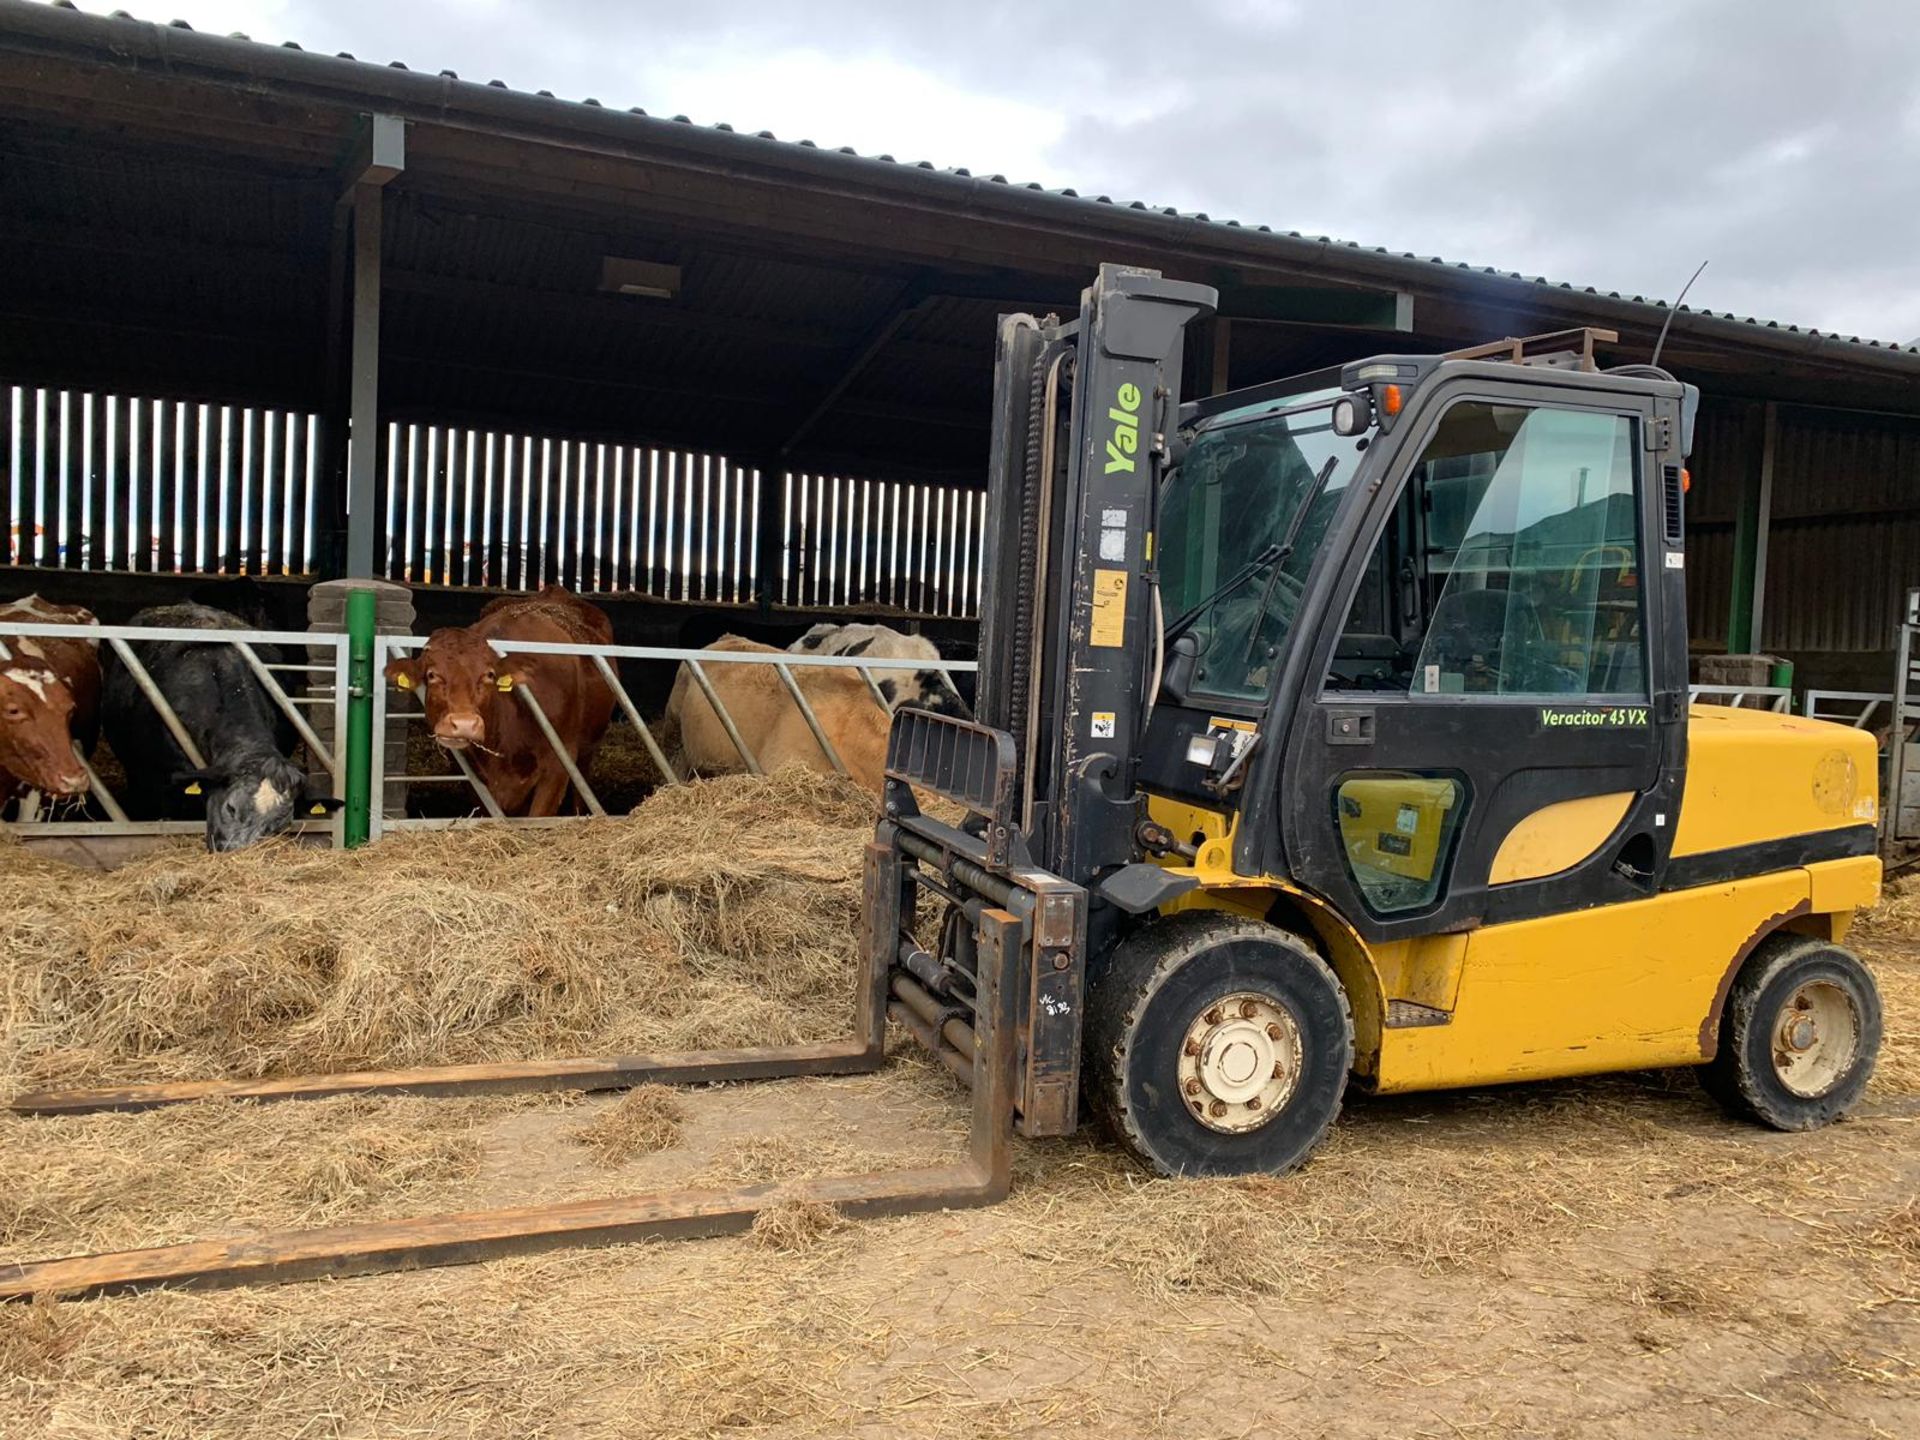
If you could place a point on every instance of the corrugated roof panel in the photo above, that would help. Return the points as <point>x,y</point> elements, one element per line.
<point>1198,221</point>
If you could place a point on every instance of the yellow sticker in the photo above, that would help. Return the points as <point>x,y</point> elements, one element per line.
<point>1228,722</point>
<point>1109,609</point>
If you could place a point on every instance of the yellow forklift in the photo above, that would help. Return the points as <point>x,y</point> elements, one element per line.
<point>1333,731</point>
<point>1352,709</point>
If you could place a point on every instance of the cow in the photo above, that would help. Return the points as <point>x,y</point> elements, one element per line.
<point>467,689</point>
<point>49,699</point>
<point>768,720</point>
<point>249,789</point>
<point>928,689</point>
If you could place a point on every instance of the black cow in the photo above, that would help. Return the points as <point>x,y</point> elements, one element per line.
<point>249,789</point>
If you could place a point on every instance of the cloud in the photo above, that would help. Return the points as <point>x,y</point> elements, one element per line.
<point>1614,144</point>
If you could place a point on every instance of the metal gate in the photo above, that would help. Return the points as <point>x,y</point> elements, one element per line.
<point>321,695</point>
<point>606,659</point>
<point>1903,751</point>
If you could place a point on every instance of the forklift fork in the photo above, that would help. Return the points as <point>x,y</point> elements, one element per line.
<point>1012,949</point>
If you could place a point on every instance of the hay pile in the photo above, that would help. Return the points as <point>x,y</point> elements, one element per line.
<point>104,1182</point>
<point>721,913</point>
<point>645,1119</point>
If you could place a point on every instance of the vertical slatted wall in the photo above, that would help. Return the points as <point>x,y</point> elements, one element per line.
<point>869,542</point>
<point>112,482</point>
<point>517,511</point>
<point>116,482</point>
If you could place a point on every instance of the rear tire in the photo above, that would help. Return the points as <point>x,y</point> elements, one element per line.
<point>1217,1045</point>
<point>1799,1035</point>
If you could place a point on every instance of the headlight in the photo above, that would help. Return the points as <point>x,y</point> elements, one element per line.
<point>1352,413</point>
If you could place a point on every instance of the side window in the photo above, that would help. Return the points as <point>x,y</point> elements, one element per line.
<point>1397,830</point>
<point>1516,562</point>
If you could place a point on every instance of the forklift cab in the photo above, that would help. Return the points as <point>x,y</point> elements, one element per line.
<point>1414,604</point>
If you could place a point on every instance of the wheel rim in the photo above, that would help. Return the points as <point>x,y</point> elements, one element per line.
<point>1815,1037</point>
<point>1239,1062</point>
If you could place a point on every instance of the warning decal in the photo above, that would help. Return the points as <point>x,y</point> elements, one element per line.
<point>1109,626</point>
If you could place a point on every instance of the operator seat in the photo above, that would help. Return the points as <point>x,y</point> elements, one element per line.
<point>1494,639</point>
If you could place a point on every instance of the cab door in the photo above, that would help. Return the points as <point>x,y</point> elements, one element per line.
<point>1519,748</point>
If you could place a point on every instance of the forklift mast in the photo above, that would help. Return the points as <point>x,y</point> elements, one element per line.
<point>1082,416</point>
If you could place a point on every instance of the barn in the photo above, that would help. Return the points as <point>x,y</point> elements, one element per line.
<point>286,316</point>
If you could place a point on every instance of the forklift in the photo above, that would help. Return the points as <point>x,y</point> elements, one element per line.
<point>1330,732</point>
<point>1336,731</point>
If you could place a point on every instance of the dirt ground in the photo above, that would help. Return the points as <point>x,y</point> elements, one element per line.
<point>1607,1258</point>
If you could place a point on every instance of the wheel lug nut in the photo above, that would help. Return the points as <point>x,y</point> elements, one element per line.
<point>1274,1032</point>
<point>1192,1047</point>
<point>1254,1104</point>
<point>1248,1009</point>
<point>1214,1016</point>
<point>1193,1087</point>
<point>1217,1109</point>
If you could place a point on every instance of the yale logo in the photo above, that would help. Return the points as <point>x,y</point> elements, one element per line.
<point>1125,441</point>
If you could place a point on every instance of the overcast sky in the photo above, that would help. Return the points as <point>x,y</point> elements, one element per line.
<point>1615,143</point>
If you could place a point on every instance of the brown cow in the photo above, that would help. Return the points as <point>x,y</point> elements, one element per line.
<point>467,690</point>
<point>49,698</point>
<point>772,724</point>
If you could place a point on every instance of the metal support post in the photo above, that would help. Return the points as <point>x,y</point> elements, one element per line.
<point>361,608</point>
<point>1750,544</point>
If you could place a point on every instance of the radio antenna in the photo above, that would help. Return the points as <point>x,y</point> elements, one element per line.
<point>1661,342</point>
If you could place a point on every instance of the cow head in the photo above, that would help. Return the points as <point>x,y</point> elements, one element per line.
<point>459,679</point>
<point>36,711</point>
<point>253,796</point>
<point>928,689</point>
<point>922,690</point>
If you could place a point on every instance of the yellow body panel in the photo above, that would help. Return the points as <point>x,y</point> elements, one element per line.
<point>1753,775</point>
<point>1618,987</point>
<point>1621,987</point>
<point>1557,837</point>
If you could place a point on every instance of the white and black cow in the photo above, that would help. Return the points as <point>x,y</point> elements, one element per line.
<point>928,689</point>
<point>249,788</point>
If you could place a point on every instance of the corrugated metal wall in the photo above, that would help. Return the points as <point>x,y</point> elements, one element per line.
<point>1844,544</point>
<point>1726,448</point>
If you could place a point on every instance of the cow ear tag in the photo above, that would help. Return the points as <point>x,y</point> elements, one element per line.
<point>318,809</point>
<point>403,680</point>
<point>193,789</point>
<point>504,684</point>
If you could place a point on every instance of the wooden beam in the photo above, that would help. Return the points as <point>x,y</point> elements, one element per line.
<point>1219,379</point>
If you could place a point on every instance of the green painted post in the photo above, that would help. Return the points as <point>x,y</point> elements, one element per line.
<point>360,681</point>
<point>1746,536</point>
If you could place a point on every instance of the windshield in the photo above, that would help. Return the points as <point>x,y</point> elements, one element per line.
<point>1235,542</point>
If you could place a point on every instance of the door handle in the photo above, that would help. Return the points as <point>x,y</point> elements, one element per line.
<point>1349,727</point>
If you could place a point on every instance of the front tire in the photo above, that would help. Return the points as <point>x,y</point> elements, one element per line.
<point>1217,1045</point>
<point>1799,1035</point>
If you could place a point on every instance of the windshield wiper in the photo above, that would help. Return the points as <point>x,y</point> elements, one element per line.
<point>1292,538</point>
<point>1246,572</point>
